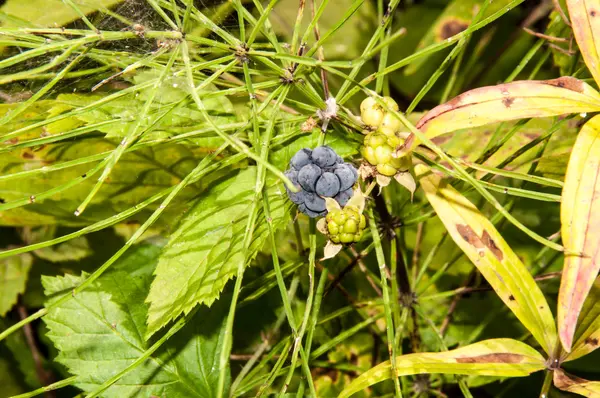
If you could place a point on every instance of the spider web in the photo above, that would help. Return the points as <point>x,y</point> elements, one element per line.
<point>128,15</point>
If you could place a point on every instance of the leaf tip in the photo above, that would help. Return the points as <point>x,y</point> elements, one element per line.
<point>566,336</point>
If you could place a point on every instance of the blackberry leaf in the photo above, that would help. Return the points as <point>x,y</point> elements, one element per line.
<point>100,332</point>
<point>206,248</point>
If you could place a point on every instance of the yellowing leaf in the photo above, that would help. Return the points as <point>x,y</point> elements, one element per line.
<point>580,228</point>
<point>584,20</point>
<point>587,333</point>
<point>494,258</point>
<point>517,100</point>
<point>567,382</point>
<point>495,357</point>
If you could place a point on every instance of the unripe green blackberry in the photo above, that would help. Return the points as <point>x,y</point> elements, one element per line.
<point>374,115</point>
<point>378,149</point>
<point>345,225</point>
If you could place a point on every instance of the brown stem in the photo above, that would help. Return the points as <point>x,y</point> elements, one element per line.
<point>335,281</point>
<point>44,376</point>
<point>363,268</point>
<point>417,251</point>
<point>454,304</point>
<point>389,226</point>
<point>546,37</point>
<point>558,8</point>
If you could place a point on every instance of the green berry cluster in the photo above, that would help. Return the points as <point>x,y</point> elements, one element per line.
<point>345,225</point>
<point>383,139</point>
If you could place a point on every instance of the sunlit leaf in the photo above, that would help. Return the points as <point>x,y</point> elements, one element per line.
<point>580,228</point>
<point>100,332</point>
<point>584,21</point>
<point>136,177</point>
<point>13,276</point>
<point>48,13</point>
<point>567,382</point>
<point>204,251</point>
<point>587,333</point>
<point>496,357</point>
<point>494,258</point>
<point>510,101</point>
<point>168,114</point>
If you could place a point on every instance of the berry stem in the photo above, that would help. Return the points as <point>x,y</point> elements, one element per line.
<point>370,187</point>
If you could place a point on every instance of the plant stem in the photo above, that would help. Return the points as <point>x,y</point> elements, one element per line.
<point>311,291</point>
<point>317,306</point>
<point>284,295</point>
<point>386,300</point>
<point>50,387</point>
<point>547,384</point>
<point>250,226</point>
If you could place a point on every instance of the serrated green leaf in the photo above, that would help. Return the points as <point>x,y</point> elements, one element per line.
<point>567,382</point>
<point>579,229</point>
<point>100,332</point>
<point>13,277</point>
<point>138,174</point>
<point>136,177</point>
<point>494,258</point>
<point>121,113</point>
<point>496,357</point>
<point>205,250</point>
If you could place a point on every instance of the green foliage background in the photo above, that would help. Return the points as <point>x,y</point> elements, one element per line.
<point>182,209</point>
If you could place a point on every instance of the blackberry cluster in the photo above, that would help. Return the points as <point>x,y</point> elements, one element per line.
<point>345,225</point>
<point>320,173</point>
<point>383,138</point>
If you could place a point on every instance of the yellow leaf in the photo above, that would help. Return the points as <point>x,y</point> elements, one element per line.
<point>587,333</point>
<point>567,382</point>
<point>495,357</point>
<point>485,247</point>
<point>586,25</point>
<point>580,228</point>
<point>510,101</point>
